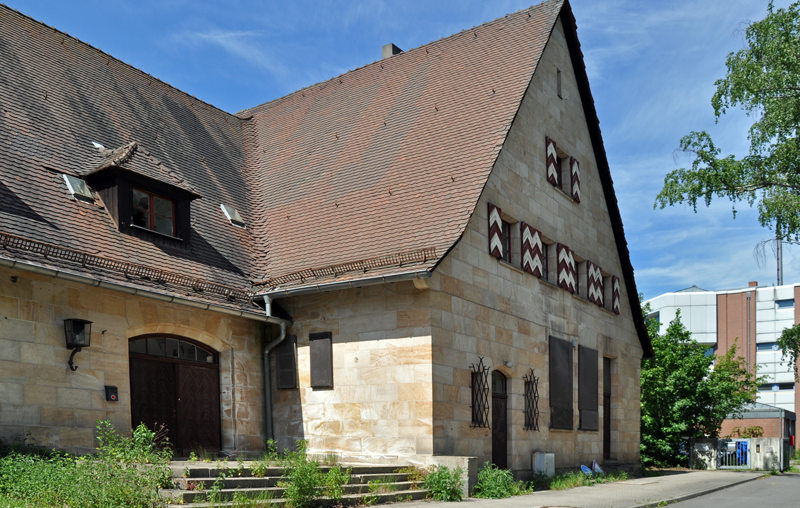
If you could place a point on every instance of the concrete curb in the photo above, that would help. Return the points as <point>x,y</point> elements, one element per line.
<point>673,500</point>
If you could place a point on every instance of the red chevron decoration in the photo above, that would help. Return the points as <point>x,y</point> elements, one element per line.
<point>567,277</point>
<point>552,161</point>
<point>532,261</point>
<point>575,178</point>
<point>594,283</point>
<point>495,232</point>
<point>615,294</point>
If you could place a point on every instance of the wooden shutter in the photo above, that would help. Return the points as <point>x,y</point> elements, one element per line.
<point>560,384</point>
<point>615,294</point>
<point>286,361</point>
<point>575,179</point>
<point>532,251</point>
<point>495,232</point>
<point>587,389</point>
<point>321,359</point>
<point>567,276</point>
<point>594,283</point>
<point>552,161</point>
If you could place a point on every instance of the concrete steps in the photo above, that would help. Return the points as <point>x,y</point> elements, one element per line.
<point>235,484</point>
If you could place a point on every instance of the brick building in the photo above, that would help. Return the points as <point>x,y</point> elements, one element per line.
<point>419,258</point>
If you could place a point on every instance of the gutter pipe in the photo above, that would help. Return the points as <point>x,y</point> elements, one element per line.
<point>284,325</point>
<point>333,286</point>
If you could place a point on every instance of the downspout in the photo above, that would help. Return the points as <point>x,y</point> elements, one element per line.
<point>748,331</point>
<point>284,326</point>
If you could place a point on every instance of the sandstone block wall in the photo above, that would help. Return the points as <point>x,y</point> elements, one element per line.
<point>380,406</point>
<point>42,401</point>
<point>483,307</point>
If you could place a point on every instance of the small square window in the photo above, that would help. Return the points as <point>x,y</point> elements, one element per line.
<point>153,212</point>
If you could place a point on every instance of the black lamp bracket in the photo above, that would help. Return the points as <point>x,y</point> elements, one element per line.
<point>73,368</point>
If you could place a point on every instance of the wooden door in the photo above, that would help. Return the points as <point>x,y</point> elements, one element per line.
<point>153,395</point>
<point>198,407</point>
<point>499,430</point>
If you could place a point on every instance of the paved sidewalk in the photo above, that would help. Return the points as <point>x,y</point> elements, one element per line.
<point>638,493</point>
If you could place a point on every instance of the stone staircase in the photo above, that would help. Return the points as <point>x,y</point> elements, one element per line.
<point>200,484</point>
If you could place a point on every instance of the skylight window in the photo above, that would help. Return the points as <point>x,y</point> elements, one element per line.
<point>79,189</point>
<point>233,215</point>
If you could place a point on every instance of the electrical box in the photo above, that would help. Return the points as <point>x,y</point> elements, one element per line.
<point>544,463</point>
<point>111,394</point>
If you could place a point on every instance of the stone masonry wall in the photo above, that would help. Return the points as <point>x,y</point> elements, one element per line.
<point>380,405</point>
<point>482,306</point>
<point>51,406</point>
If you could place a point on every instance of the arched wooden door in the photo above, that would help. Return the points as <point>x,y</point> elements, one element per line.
<point>499,420</point>
<point>175,382</point>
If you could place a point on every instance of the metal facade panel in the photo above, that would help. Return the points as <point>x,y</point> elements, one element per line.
<point>561,383</point>
<point>321,352</point>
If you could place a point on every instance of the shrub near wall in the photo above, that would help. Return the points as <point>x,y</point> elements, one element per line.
<point>126,472</point>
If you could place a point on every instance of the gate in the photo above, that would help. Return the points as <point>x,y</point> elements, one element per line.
<point>733,454</point>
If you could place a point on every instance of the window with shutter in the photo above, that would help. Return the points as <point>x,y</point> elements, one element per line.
<point>553,169</point>
<point>286,361</point>
<point>615,304</point>
<point>567,276</point>
<point>495,232</point>
<point>594,283</point>
<point>321,352</point>
<point>560,384</point>
<point>575,179</point>
<point>532,251</point>
<point>587,389</point>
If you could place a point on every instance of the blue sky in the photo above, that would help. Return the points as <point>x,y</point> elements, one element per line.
<point>652,67</point>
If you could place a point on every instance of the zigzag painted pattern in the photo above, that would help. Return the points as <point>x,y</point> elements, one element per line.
<point>567,278</point>
<point>575,172</point>
<point>552,161</point>
<point>615,294</point>
<point>531,250</point>
<point>594,283</point>
<point>495,232</point>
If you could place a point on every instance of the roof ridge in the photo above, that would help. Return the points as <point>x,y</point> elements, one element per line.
<point>125,64</point>
<point>243,114</point>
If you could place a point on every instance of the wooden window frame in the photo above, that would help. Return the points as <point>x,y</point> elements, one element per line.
<point>152,210</point>
<point>505,240</point>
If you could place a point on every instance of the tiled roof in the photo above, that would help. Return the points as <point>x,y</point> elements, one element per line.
<point>393,156</point>
<point>58,95</point>
<point>382,161</point>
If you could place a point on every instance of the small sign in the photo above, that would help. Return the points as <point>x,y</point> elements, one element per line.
<point>111,394</point>
<point>586,470</point>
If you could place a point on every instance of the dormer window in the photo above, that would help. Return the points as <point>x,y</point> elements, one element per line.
<point>232,214</point>
<point>153,212</point>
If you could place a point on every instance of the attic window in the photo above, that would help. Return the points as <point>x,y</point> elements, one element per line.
<point>153,212</point>
<point>233,215</point>
<point>79,189</point>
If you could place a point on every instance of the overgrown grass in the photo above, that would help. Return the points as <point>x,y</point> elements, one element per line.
<point>444,484</point>
<point>125,472</point>
<point>577,479</point>
<point>495,483</point>
<point>305,482</point>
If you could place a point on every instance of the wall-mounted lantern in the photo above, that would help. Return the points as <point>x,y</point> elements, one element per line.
<point>79,335</point>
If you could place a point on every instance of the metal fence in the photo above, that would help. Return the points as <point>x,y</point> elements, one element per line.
<point>733,454</point>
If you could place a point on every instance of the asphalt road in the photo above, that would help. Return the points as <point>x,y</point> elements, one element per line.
<point>771,492</point>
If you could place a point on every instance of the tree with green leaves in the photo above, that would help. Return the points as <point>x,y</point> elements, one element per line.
<point>763,79</point>
<point>789,342</point>
<point>687,393</point>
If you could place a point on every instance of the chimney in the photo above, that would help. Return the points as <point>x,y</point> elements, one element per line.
<point>753,284</point>
<point>389,50</point>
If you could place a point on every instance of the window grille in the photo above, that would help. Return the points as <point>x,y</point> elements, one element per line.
<point>480,394</point>
<point>531,401</point>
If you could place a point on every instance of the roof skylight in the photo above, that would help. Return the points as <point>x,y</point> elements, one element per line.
<point>233,215</point>
<point>79,189</point>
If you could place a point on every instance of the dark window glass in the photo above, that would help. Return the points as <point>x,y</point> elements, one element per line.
<point>188,351</point>
<point>767,346</point>
<point>156,346</point>
<point>172,348</point>
<point>204,356</point>
<point>506,240</point>
<point>545,257</point>
<point>498,383</point>
<point>784,304</point>
<point>561,384</point>
<point>153,212</point>
<point>141,209</point>
<point>138,346</point>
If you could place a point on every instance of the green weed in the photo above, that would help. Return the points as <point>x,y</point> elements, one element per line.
<point>495,483</point>
<point>443,484</point>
